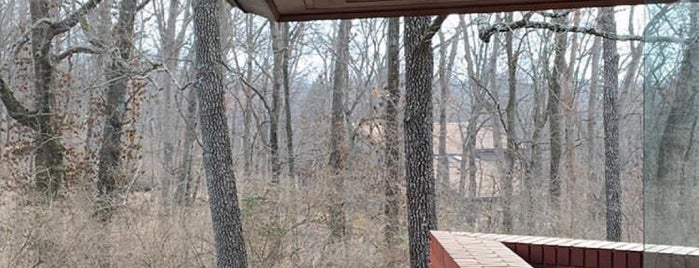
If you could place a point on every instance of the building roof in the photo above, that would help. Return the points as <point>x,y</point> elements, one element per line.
<point>301,10</point>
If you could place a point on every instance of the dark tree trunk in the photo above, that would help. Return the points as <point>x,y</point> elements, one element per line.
<point>277,80</point>
<point>612,169</point>
<point>338,136</point>
<point>49,150</point>
<point>218,160</point>
<point>115,107</point>
<point>418,124</point>
<point>287,101</point>
<point>392,150</point>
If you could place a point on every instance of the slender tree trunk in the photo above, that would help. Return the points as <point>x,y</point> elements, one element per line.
<point>554,110</point>
<point>418,123</point>
<point>338,136</point>
<point>110,153</point>
<point>511,111</point>
<point>218,160</point>
<point>443,159</point>
<point>593,178</point>
<point>183,193</point>
<point>248,109</point>
<point>278,80</point>
<point>287,101</point>
<point>392,150</point>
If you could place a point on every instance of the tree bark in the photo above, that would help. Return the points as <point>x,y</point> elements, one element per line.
<point>612,170</point>
<point>392,150</point>
<point>218,160</point>
<point>338,136</point>
<point>287,101</point>
<point>418,123</point>
<point>554,110</point>
<point>277,81</point>
<point>593,177</point>
<point>510,111</point>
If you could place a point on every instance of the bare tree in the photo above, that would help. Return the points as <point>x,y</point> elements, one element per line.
<point>115,107</point>
<point>338,136</point>
<point>218,159</point>
<point>49,156</point>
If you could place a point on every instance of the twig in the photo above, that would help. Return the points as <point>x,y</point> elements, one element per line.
<point>257,92</point>
<point>74,50</point>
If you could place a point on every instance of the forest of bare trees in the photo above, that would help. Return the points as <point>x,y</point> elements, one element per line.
<point>186,133</point>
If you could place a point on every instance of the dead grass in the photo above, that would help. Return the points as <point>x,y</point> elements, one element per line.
<point>282,229</point>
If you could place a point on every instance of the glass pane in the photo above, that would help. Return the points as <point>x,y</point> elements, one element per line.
<point>671,113</point>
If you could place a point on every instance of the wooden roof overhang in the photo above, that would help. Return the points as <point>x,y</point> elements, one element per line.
<point>302,10</point>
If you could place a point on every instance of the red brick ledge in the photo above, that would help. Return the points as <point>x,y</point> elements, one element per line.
<point>456,250</point>
<point>452,250</point>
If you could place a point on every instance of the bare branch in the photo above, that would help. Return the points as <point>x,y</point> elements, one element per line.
<point>25,36</point>
<point>486,31</point>
<point>257,92</point>
<point>142,5</point>
<point>73,50</point>
<point>16,110</point>
<point>434,28</point>
<point>71,20</point>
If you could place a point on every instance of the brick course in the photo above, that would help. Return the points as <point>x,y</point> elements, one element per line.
<point>457,250</point>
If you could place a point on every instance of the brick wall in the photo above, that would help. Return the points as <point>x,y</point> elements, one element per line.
<point>448,248</point>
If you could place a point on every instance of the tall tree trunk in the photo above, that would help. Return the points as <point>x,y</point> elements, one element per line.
<point>183,192</point>
<point>287,101</point>
<point>443,159</point>
<point>115,107</point>
<point>218,160</point>
<point>338,136</point>
<point>392,150</point>
<point>612,170</point>
<point>248,109</point>
<point>418,123</point>
<point>554,110</point>
<point>593,177</point>
<point>277,81</point>
<point>570,111</point>
<point>49,151</point>
<point>510,111</point>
